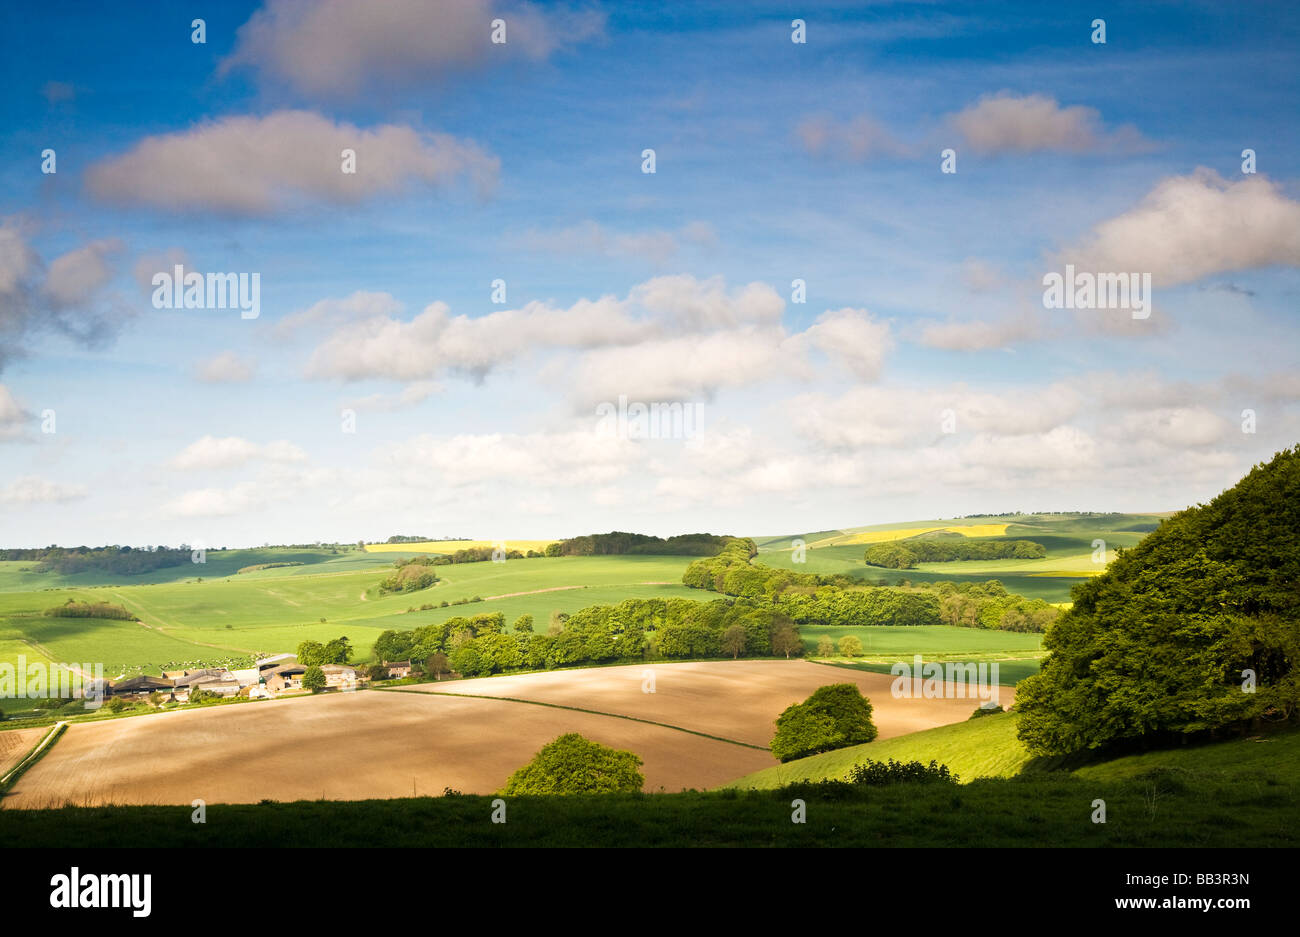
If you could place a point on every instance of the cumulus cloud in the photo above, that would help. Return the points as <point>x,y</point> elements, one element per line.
<point>853,339</point>
<point>253,166</point>
<point>339,49</point>
<point>32,489</point>
<point>216,502</point>
<point>225,368</point>
<point>67,296</point>
<point>1194,226</point>
<point>377,345</point>
<point>212,452</point>
<point>1011,123</point>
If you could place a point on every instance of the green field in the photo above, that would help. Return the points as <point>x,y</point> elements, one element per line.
<point>208,613</point>
<point>1068,539</point>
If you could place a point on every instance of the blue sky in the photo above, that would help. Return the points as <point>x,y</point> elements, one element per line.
<point>818,161</point>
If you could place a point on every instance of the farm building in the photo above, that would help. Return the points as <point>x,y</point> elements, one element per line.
<point>398,668</point>
<point>142,685</point>
<point>341,675</point>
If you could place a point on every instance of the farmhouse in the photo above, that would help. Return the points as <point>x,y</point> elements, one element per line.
<point>340,675</point>
<point>284,678</point>
<point>398,669</point>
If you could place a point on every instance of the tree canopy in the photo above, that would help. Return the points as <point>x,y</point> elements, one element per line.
<point>575,765</point>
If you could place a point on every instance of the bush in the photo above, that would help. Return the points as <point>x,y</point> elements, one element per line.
<point>879,773</point>
<point>574,765</point>
<point>313,679</point>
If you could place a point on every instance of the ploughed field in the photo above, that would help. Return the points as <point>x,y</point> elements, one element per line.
<point>388,744</point>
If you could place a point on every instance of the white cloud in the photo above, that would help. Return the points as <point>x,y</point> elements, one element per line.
<point>225,368</point>
<point>1008,122</point>
<point>211,452</point>
<point>853,339</point>
<point>31,489</point>
<point>1194,226</point>
<point>252,166</point>
<point>75,277</point>
<point>343,48</point>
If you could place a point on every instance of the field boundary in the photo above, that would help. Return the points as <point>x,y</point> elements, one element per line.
<point>36,754</point>
<point>592,712</point>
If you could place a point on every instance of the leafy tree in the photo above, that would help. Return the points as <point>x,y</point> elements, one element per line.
<point>574,765</point>
<point>438,665</point>
<point>465,660</point>
<point>733,641</point>
<point>834,716</point>
<point>850,646</point>
<point>786,640</point>
<point>313,679</point>
<point>825,646</point>
<point>1155,648</point>
<point>523,624</point>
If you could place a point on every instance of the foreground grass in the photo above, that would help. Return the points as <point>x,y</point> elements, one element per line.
<point>1033,811</point>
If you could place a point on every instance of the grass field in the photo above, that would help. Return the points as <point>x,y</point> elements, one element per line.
<point>208,613</point>
<point>1022,812</point>
<point>1068,538</point>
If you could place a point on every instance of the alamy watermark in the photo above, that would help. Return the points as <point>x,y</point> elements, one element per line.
<point>193,290</point>
<point>1085,290</point>
<point>638,420</point>
<point>39,680</point>
<point>955,680</point>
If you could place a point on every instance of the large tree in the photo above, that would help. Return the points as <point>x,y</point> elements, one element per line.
<point>1194,630</point>
<point>834,716</point>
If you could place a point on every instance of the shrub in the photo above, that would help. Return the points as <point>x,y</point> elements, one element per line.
<point>878,773</point>
<point>574,765</point>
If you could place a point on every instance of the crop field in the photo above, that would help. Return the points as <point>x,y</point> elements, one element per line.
<point>704,724</point>
<point>737,700</point>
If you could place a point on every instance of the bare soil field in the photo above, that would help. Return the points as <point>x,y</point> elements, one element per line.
<point>736,700</point>
<point>15,743</point>
<point>345,746</point>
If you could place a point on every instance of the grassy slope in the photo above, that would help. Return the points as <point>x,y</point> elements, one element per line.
<point>988,747</point>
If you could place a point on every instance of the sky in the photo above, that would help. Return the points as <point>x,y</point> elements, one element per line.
<point>446,321</point>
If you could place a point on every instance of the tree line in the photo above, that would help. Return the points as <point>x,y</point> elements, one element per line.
<point>634,629</point>
<point>617,543</point>
<point>905,554</point>
<point>811,598</point>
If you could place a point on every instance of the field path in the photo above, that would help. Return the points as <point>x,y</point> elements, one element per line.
<point>511,595</point>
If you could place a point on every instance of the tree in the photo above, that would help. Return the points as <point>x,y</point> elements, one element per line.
<point>850,646</point>
<point>834,716</point>
<point>438,665</point>
<point>786,640</point>
<point>825,646</point>
<point>523,624</point>
<point>1156,646</point>
<point>574,765</point>
<point>310,653</point>
<point>733,641</point>
<point>313,679</point>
